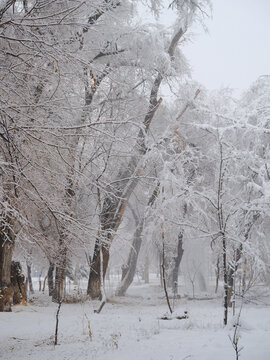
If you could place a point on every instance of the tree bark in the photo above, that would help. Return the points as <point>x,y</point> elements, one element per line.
<point>217,272</point>
<point>58,293</point>
<point>94,282</point>
<point>6,289</point>
<point>177,261</point>
<point>50,279</point>
<point>225,278</point>
<point>231,274</point>
<point>29,279</point>
<point>7,238</point>
<point>164,273</point>
<point>130,267</point>
<point>44,283</point>
<point>173,279</point>
<point>39,282</point>
<point>17,281</point>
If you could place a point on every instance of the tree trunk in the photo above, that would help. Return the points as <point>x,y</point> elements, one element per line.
<point>17,281</point>
<point>39,281</point>
<point>160,269</point>
<point>58,293</point>
<point>60,269</point>
<point>130,268</point>
<point>50,279</point>
<point>217,272</point>
<point>94,283</point>
<point>114,205</point>
<point>146,270</point>
<point>164,273</point>
<point>44,283</point>
<point>232,273</point>
<point>29,279</point>
<point>230,286</point>
<point>177,261</point>
<point>6,249</point>
<point>225,277</point>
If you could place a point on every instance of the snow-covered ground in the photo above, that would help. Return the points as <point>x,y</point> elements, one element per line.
<point>131,328</point>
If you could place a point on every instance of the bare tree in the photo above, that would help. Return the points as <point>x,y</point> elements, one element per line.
<point>114,204</point>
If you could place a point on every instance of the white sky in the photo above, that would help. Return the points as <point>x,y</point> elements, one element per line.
<point>237,49</point>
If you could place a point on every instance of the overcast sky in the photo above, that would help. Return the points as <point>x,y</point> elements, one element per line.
<point>236,51</point>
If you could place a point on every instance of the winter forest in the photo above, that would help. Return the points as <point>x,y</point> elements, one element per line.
<point>134,201</point>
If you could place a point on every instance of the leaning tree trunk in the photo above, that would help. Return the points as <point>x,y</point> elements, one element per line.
<point>129,269</point>
<point>114,205</point>
<point>6,250</point>
<point>44,283</point>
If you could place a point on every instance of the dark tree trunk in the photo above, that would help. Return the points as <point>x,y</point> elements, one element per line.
<point>17,281</point>
<point>50,279</point>
<point>217,275</point>
<point>225,278</point>
<point>160,269</point>
<point>230,286</point>
<point>58,293</point>
<point>6,288</point>
<point>177,261</point>
<point>94,283</point>
<point>163,266</point>
<point>60,270</point>
<point>173,278</point>
<point>29,279</point>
